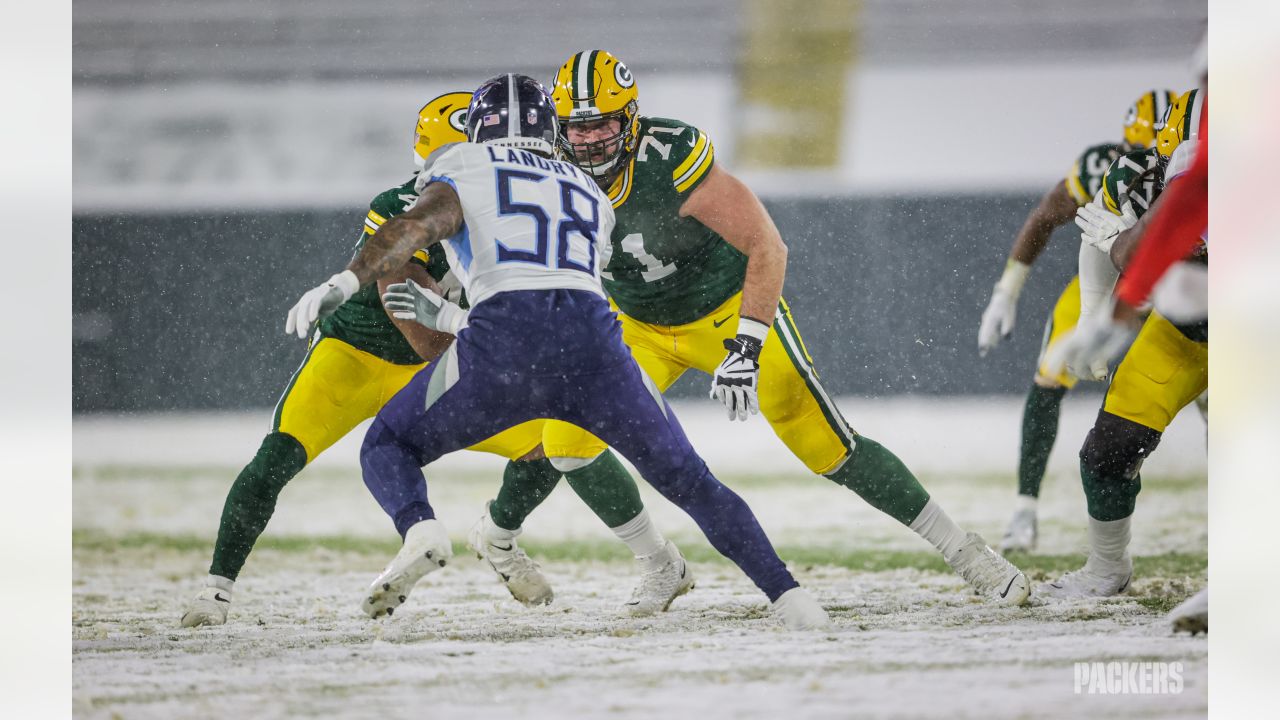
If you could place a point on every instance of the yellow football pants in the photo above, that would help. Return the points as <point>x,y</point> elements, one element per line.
<point>1163,371</point>
<point>1065,315</point>
<point>338,387</point>
<point>791,397</point>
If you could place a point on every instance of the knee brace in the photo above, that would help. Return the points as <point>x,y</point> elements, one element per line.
<point>1110,461</point>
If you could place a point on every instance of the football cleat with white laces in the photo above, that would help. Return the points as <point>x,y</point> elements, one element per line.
<point>988,573</point>
<point>208,607</point>
<point>426,549</point>
<point>1096,579</point>
<point>1022,533</point>
<point>522,576</point>
<point>1192,615</point>
<point>797,610</point>
<point>664,576</point>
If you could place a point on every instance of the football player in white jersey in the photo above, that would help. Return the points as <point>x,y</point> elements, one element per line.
<point>540,341</point>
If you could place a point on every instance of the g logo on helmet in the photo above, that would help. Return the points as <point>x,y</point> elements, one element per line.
<point>458,120</point>
<point>623,75</point>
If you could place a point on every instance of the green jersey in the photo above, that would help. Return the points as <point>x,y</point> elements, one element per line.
<point>361,321</point>
<point>658,267</point>
<point>1137,176</point>
<point>1085,178</point>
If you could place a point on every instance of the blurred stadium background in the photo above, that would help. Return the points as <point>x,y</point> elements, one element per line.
<point>224,152</point>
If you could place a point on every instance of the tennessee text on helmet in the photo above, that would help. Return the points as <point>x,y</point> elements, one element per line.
<point>513,111</point>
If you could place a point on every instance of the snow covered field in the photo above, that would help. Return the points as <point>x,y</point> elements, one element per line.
<point>907,639</point>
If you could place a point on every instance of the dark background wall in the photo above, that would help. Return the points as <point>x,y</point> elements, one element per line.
<point>186,312</point>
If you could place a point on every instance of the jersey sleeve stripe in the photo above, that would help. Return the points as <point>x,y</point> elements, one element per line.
<point>376,218</point>
<point>619,194</point>
<point>423,256</point>
<point>370,226</point>
<point>692,177</point>
<point>694,156</point>
<point>1075,187</point>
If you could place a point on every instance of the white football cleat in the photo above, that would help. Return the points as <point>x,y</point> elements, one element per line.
<point>208,607</point>
<point>664,577</point>
<point>797,610</point>
<point>1192,615</point>
<point>1096,579</point>
<point>1022,533</point>
<point>426,549</point>
<point>988,573</point>
<point>522,576</point>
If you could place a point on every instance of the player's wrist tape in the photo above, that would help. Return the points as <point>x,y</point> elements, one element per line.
<point>753,329</point>
<point>347,282</point>
<point>452,318</point>
<point>1014,277</point>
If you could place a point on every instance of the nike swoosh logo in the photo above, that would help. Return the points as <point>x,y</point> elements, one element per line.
<point>219,598</point>
<point>1005,593</point>
<point>718,323</point>
<point>499,547</point>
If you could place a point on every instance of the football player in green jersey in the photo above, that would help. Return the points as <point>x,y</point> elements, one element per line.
<point>695,268</point>
<point>358,358</point>
<point>1163,371</point>
<point>1057,207</point>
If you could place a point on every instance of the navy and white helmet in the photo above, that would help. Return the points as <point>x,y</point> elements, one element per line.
<point>513,110</point>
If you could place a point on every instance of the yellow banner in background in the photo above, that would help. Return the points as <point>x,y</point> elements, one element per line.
<point>796,57</point>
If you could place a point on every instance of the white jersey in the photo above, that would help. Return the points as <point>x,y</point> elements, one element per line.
<point>530,223</point>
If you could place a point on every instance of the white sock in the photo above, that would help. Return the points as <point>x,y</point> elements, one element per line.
<point>934,525</point>
<point>640,535</point>
<point>1026,502</point>
<point>1109,540</point>
<point>498,536</point>
<point>222,583</point>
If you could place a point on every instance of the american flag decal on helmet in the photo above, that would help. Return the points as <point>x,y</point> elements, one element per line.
<point>491,119</point>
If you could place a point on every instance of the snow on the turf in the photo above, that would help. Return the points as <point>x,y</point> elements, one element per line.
<point>905,643</point>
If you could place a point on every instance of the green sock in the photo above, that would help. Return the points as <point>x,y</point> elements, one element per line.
<point>880,478</point>
<point>1109,498</point>
<point>608,489</point>
<point>525,484</point>
<point>1039,430</point>
<point>252,500</point>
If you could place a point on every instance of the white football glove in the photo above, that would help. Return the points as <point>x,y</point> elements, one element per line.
<point>1100,227</point>
<point>1002,311</point>
<point>738,376</point>
<point>997,320</point>
<point>410,301</point>
<point>320,302</point>
<point>1086,351</point>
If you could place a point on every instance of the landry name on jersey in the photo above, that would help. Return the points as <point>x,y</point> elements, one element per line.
<point>530,223</point>
<point>658,267</point>
<point>1085,178</point>
<point>361,321</point>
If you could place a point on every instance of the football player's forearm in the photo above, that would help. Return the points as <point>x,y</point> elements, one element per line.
<point>1127,243</point>
<point>428,343</point>
<point>762,288</point>
<point>1056,208</point>
<point>1097,278</point>
<point>436,216</point>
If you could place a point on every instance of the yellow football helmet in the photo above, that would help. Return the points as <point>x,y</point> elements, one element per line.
<point>440,122</point>
<point>1182,122</point>
<point>1143,118</point>
<point>590,87</point>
